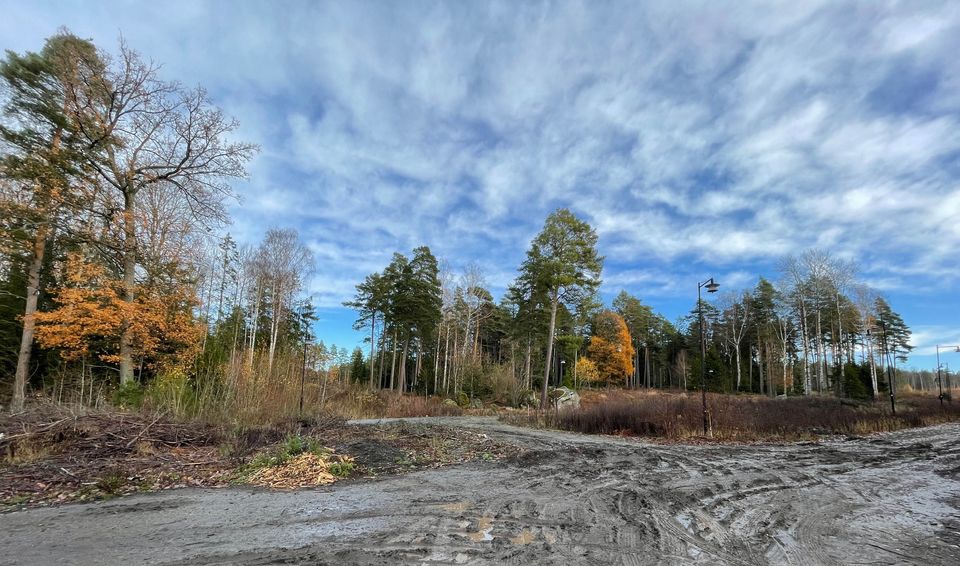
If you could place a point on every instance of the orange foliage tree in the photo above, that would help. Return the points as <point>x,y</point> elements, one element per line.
<point>90,313</point>
<point>611,348</point>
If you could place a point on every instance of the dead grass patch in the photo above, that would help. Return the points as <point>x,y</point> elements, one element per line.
<point>738,417</point>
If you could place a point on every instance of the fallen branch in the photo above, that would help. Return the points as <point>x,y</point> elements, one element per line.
<point>137,437</point>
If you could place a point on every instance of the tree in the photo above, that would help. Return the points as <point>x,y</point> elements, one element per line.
<point>564,262</point>
<point>42,158</point>
<point>151,132</point>
<point>611,348</point>
<point>357,366</point>
<point>370,301</point>
<point>587,371</point>
<point>284,263</point>
<point>735,313</point>
<point>91,312</point>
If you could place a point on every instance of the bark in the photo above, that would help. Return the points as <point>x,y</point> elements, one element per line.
<point>553,328</point>
<point>29,320</point>
<point>129,283</point>
<point>255,325</point>
<point>873,368</point>
<point>446,359</point>
<point>383,353</point>
<point>373,334</point>
<point>804,331</point>
<point>646,365</point>
<point>393,360</point>
<point>526,364</point>
<point>402,386</point>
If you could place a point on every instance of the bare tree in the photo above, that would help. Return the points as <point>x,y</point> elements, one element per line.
<point>736,312</point>
<point>150,132</point>
<point>284,265</point>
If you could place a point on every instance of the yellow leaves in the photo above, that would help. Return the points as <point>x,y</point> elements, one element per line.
<point>587,371</point>
<point>91,313</point>
<point>611,349</point>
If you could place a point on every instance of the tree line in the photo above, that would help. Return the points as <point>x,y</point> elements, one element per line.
<point>115,272</point>
<point>815,329</point>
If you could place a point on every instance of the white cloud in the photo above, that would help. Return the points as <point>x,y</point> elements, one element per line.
<point>723,135</point>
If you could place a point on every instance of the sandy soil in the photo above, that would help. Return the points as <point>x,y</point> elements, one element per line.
<point>569,499</point>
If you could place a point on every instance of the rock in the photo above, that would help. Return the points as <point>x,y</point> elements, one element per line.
<point>565,398</point>
<point>476,404</point>
<point>449,403</point>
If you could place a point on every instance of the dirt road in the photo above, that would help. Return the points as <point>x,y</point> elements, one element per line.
<point>570,499</point>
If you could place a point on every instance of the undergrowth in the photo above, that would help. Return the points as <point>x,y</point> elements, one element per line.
<point>739,418</point>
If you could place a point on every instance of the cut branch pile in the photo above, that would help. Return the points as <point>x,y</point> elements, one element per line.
<point>53,455</point>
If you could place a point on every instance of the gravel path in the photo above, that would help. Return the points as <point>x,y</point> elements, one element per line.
<point>570,499</point>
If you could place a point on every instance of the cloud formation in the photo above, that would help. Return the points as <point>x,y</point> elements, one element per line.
<point>697,137</point>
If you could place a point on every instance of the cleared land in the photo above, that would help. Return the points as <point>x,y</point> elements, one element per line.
<point>565,499</point>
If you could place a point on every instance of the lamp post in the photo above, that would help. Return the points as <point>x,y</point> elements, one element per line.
<point>939,376</point>
<point>712,287</point>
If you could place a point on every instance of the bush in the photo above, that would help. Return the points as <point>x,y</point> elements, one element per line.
<point>129,396</point>
<point>741,417</point>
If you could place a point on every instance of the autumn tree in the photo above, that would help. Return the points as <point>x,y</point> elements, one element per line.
<point>563,261</point>
<point>91,311</point>
<point>152,132</point>
<point>42,158</point>
<point>611,348</point>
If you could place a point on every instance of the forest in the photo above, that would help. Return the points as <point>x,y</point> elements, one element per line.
<point>121,284</point>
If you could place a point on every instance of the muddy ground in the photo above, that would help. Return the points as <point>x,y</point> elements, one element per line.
<point>568,499</point>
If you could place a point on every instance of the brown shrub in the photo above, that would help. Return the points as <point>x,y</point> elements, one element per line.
<point>739,417</point>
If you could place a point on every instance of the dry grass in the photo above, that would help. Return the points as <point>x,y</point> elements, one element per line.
<point>739,417</point>
<point>356,402</point>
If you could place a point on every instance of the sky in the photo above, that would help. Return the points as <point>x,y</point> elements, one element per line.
<point>700,139</point>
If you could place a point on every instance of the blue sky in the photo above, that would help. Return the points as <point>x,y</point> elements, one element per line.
<point>700,138</point>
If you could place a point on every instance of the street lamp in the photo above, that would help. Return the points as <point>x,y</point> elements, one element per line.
<point>939,378</point>
<point>711,287</point>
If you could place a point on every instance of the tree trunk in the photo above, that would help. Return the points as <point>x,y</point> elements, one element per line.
<point>736,354</point>
<point>373,339</point>
<point>546,372</point>
<point>402,386</point>
<point>804,331</point>
<point>255,325</point>
<point>646,366</point>
<point>393,360</point>
<point>129,283</point>
<point>29,321</point>
<point>528,382</point>
<point>383,353</point>
<point>446,359</point>
<point>873,369</point>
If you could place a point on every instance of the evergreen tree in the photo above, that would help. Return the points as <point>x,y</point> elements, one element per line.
<point>563,261</point>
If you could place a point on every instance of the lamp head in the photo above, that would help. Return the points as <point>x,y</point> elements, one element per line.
<point>712,286</point>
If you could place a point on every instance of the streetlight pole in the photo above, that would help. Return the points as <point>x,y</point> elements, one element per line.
<point>712,287</point>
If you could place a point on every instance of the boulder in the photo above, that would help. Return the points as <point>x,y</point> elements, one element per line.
<point>449,403</point>
<point>565,398</point>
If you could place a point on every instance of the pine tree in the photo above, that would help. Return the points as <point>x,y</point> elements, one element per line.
<point>563,261</point>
